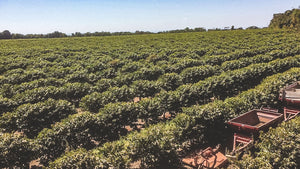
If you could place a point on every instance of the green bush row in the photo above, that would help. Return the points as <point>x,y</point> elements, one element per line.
<point>88,130</point>
<point>72,74</point>
<point>32,118</point>
<point>167,82</point>
<point>120,115</point>
<point>157,145</point>
<point>76,131</point>
<point>8,90</point>
<point>124,116</point>
<point>231,82</point>
<point>72,92</point>
<point>16,151</point>
<point>75,91</point>
<point>223,85</point>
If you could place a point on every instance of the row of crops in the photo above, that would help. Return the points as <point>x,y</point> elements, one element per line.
<point>69,102</point>
<point>158,144</point>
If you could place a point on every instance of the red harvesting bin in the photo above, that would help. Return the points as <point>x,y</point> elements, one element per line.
<point>249,124</point>
<point>255,120</point>
<point>291,94</point>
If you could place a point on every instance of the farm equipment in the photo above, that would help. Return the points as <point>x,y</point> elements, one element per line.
<point>290,112</point>
<point>208,158</point>
<point>290,96</point>
<point>246,129</point>
<point>248,125</point>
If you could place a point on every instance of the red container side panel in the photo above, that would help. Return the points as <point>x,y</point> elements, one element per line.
<point>254,121</point>
<point>291,94</point>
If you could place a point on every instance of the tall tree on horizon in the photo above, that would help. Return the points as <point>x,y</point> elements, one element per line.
<point>5,35</point>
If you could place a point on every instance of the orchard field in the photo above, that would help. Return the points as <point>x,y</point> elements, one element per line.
<point>146,100</point>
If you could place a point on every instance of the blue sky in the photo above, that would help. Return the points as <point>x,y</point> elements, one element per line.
<point>45,16</point>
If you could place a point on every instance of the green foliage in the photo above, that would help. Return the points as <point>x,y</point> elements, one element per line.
<point>200,122</point>
<point>79,158</point>
<point>6,104</point>
<point>146,88</point>
<point>288,19</point>
<point>151,73</point>
<point>36,95</point>
<point>170,81</point>
<point>9,90</point>
<point>154,148</point>
<point>104,84</point>
<point>95,101</point>
<point>32,118</point>
<point>118,115</point>
<point>194,74</point>
<point>16,151</point>
<point>23,76</point>
<point>75,91</point>
<point>151,110</point>
<point>76,131</point>
<point>230,82</point>
<point>92,102</point>
<point>104,75</point>
<point>278,148</point>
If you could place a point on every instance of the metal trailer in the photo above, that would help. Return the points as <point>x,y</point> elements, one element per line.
<point>291,94</point>
<point>208,158</point>
<point>248,125</point>
<point>290,97</point>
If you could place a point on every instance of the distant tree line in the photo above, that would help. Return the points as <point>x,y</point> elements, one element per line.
<point>78,34</point>
<point>8,35</point>
<point>187,29</point>
<point>5,35</point>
